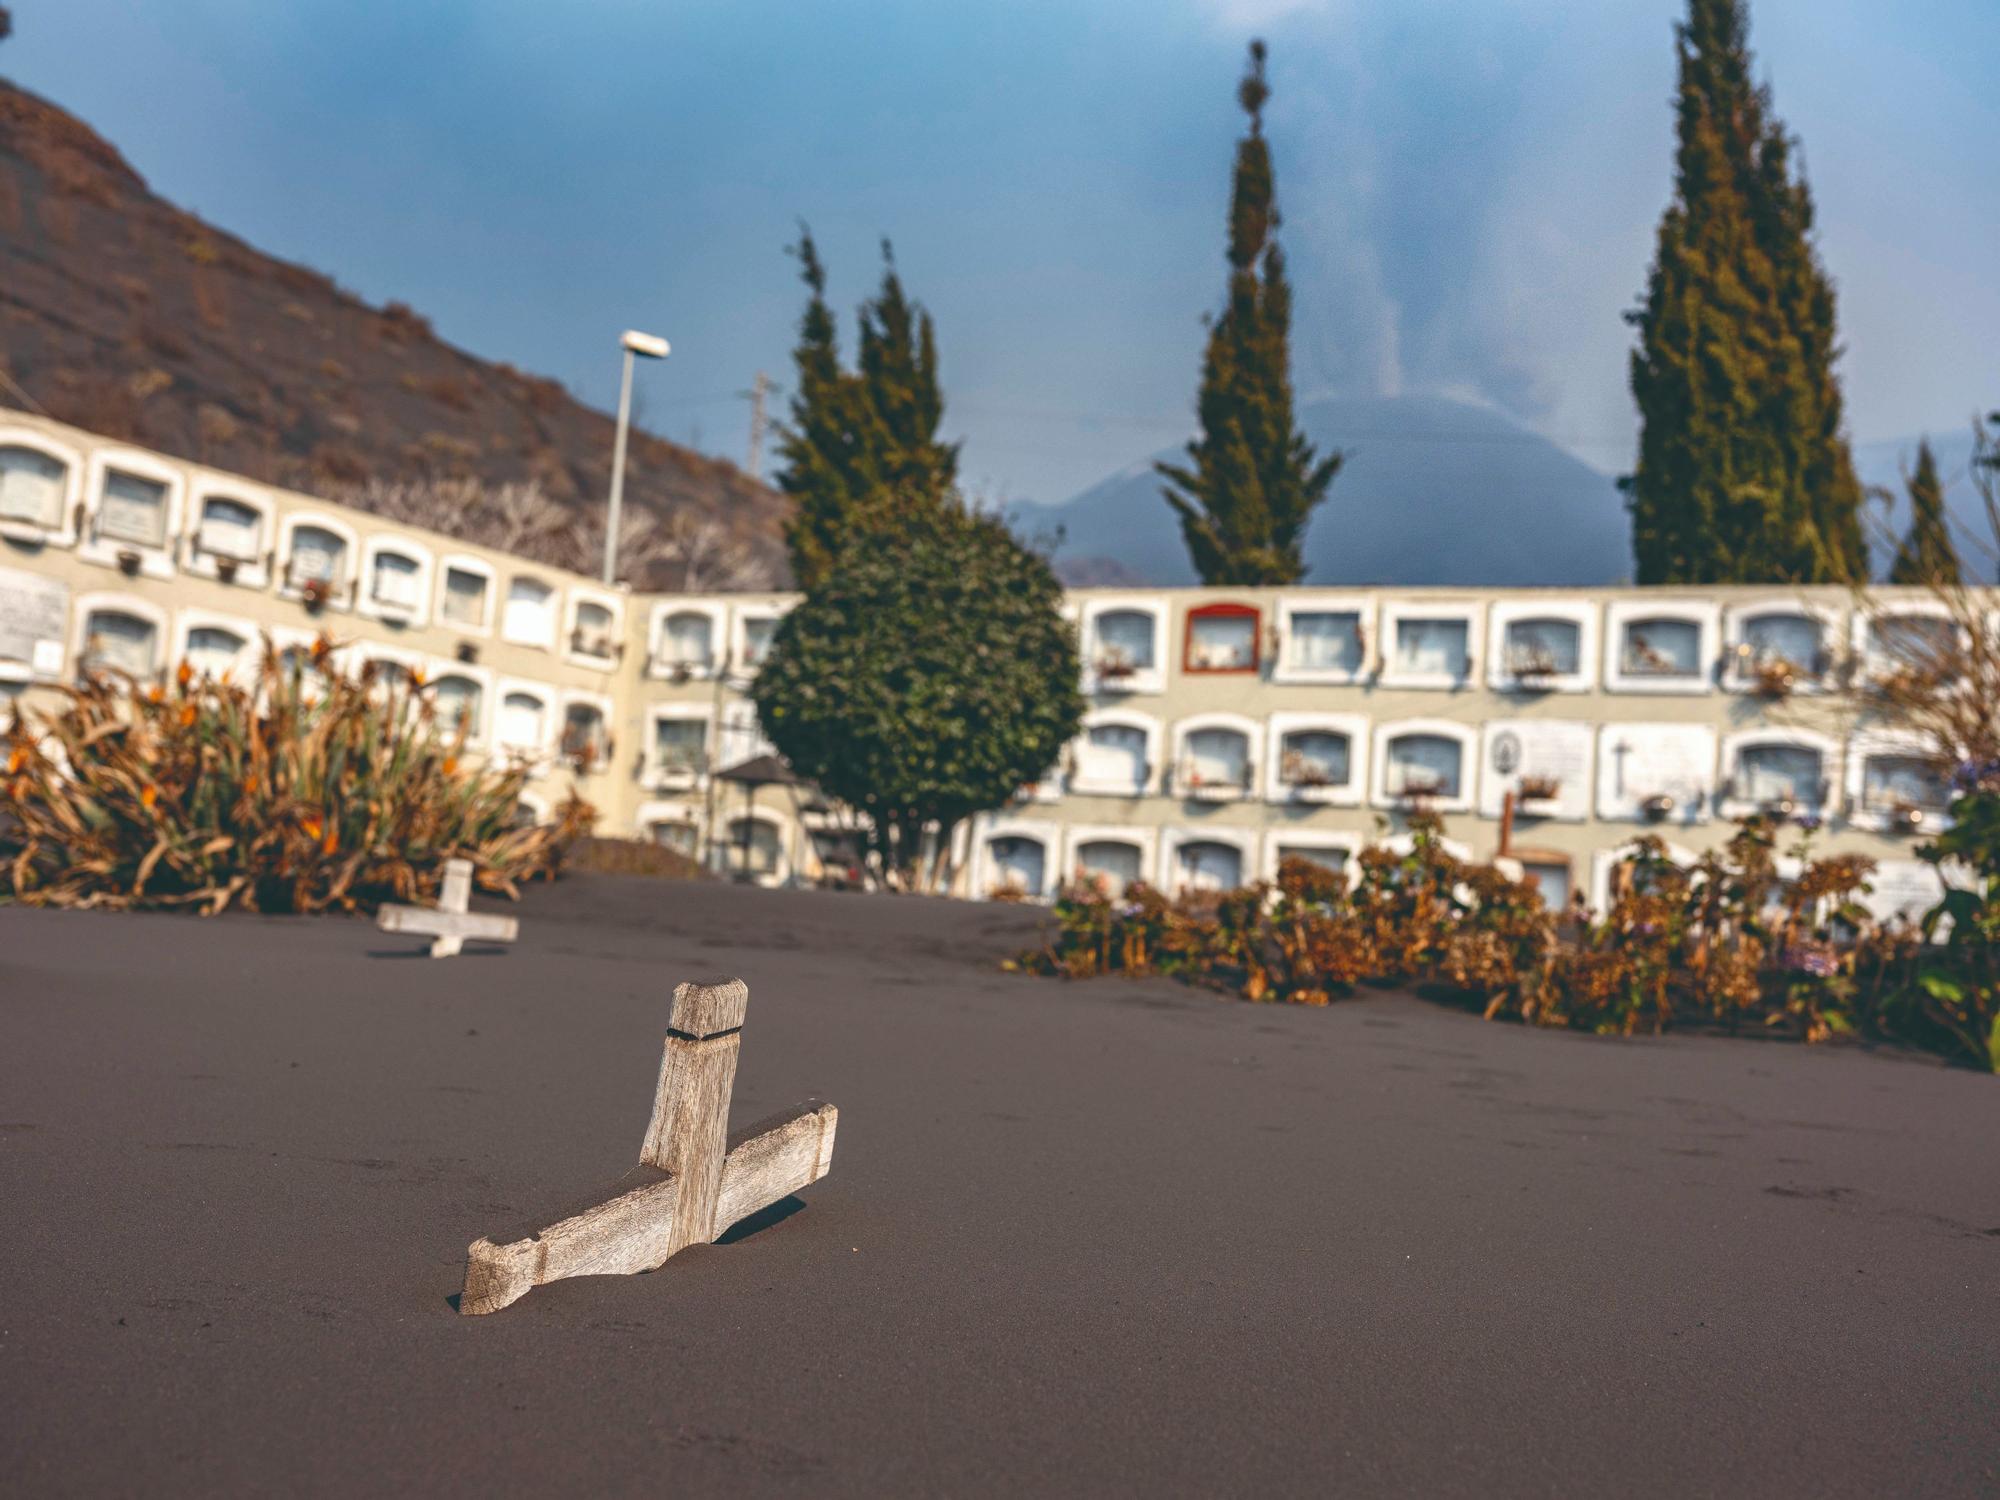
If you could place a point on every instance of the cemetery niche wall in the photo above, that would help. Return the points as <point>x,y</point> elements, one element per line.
<point>1222,725</point>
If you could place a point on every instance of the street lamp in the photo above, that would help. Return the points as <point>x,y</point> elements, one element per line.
<point>636,346</point>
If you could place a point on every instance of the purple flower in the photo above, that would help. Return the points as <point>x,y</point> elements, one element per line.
<point>1975,775</point>
<point>1817,959</point>
<point>1808,821</point>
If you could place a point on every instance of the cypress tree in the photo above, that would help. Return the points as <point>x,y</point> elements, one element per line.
<point>1251,480</point>
<point>1743,472</point>
<point>861,448</point>
<point>1926,555</point>
<point>899,367</point>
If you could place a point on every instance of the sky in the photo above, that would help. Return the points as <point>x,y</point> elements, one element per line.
<point>1469,188</point>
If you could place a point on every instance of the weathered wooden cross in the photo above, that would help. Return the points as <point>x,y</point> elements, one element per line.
<point>693,1180</point>
<point>450,924</point>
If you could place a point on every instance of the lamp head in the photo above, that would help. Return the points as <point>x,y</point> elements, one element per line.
<point>645,345</point>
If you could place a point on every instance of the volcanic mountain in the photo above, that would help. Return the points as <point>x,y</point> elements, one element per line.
<point>1433,491</point>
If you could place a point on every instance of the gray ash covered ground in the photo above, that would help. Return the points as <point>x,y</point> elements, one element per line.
<point>1106,1238</point>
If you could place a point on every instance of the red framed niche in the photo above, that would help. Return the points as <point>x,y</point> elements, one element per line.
<point>1234,644</point>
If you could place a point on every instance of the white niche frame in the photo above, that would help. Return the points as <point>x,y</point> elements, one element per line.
<point>1082,784</point>
<point>1252,731</point>
<point>1144,838</point>
<point>1396,613</point>
<point>1043,831</point>
<point>153,561</point>
<point>248,573</point>
<point>1151,679</point>
<point>346,584</point>
<point>1290,605</point>
<point>1467,738</point>
<point>1733,805</point>
<point>1584,614</point>
<point>1833,635</point>
<point>1176,837</point>
<point>1621,614</point>
<point>462,562</point>
<point>75,474</point>
<point>1287,722</point>
<point>387,611</point>
<point>663,778</point>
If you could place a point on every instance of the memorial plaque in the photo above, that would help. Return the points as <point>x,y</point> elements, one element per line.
<point>1638,762</point>
<point>132,509</point>
<point>1905,888</point>
<point>34,620</point>
<point>1549,759</point>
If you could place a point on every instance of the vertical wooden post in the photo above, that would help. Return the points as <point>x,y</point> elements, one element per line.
<point>1507,825</point>
<point>456,893</point>
<point>689,1133</point>
<point>454,896</point>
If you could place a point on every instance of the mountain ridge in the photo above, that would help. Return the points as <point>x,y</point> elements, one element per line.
<point>125,314</point>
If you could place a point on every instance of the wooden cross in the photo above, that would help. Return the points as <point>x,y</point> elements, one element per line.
<point>450,924</point>
<point>693,1179</point>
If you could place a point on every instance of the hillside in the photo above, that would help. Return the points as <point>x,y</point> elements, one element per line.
<point>1434,491</point>
<point>124,314</point>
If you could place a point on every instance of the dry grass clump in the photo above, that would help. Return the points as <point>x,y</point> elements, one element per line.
<point>300,790</point>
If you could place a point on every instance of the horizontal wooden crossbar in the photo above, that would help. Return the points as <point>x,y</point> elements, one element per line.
<point>629,1226</point>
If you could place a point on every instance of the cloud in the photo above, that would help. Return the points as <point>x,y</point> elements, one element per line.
<point>1251,15</point>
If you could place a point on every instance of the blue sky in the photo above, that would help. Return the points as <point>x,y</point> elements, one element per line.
<point>1469,188</point>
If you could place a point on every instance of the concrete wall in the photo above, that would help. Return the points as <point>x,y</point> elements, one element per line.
<point>1210,683</point>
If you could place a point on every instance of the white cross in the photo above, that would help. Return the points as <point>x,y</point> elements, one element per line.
<point>450,924</point>
<point>693,1181</point>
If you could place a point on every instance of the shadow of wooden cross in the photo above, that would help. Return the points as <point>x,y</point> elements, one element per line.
<point>450,924</point>
<point>691,1183</point>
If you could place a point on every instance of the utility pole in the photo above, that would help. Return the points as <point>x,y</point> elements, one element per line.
<point>759,389</point>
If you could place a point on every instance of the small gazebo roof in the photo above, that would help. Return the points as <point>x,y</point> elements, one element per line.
<point>762,770</point>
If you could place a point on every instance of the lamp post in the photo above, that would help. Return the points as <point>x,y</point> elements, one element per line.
<point>637,346</point>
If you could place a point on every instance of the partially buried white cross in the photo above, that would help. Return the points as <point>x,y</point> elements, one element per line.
<point>449,924</point>
<point>693,1181</point>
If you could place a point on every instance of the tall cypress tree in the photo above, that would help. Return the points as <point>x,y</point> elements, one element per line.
<point>1927,555</point>
<point>861,448</point>
<point>1743,474</point>
<point>1252,479</point>
<point>899,367</point>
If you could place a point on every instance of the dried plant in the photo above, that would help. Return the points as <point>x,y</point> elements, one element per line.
<point>298,790</point>
<point>701,556</point>
<point>1295,768</point>
<point>1772,677</point>
<point>1942,680</point>
<point>687,553</point>
<point>1532,661</point>
<point>1725,943</point>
